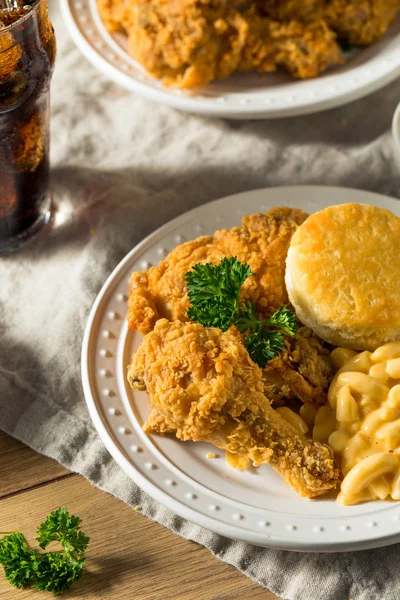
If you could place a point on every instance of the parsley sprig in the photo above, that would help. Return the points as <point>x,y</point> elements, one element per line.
<point>214,294</point>
<point>51,571</point>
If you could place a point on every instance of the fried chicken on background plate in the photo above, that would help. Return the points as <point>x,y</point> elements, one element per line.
<point>188,43</point>
<point>203,386</point>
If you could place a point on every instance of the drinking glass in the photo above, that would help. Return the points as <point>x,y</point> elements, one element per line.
<point>27,53</point>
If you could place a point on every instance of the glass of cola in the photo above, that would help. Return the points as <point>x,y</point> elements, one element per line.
<point>27,53</point>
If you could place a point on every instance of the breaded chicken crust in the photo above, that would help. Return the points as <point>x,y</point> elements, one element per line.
<point>203,386</point>
<point>302,372</point>
<point>361,22</point>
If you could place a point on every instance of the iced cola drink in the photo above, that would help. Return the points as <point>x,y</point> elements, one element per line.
<point>27,52</point>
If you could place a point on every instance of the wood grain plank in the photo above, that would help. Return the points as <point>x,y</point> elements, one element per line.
<point>8,443</point>
<point>22,468</point>
<point>129,556</point>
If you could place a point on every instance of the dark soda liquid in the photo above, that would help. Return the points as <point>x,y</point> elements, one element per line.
<point>26,63</point>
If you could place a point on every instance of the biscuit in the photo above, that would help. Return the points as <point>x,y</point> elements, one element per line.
<point>343,275</point>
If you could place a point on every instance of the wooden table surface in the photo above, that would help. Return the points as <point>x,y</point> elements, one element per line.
<point>129,557</point>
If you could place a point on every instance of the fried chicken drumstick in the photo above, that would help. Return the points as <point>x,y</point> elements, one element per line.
<point>204,387</point>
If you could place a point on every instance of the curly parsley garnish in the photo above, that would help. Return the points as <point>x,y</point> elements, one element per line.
<point>50,571</point>
<point>214,294</point>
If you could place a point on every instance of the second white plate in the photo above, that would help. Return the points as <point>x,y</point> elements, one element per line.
<point>255,505</point>
<point>241,96</point>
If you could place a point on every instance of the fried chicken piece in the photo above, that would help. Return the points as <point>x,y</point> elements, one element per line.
<point>302,372</point>
<point>204,387</point>
<point>361,22</point>
<point>304,50</point>
<point>262,241</point>
<point>188,43</point>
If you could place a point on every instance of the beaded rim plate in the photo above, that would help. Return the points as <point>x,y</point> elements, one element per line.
<point>241,96</point>
<point>253,506</point>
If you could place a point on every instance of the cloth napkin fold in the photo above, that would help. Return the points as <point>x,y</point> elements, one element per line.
<point>122,167</point>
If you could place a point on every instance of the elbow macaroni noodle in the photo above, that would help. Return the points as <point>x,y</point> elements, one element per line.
<point>294,419</point>
<point>361,422</point>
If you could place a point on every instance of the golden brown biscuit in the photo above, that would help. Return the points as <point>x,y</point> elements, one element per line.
<point>343,275</point>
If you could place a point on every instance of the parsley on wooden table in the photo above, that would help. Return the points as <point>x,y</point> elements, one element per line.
<point>52,571</point>
<point>214,294</point>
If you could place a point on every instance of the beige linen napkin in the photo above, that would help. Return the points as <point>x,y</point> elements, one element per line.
<point>122,167</point>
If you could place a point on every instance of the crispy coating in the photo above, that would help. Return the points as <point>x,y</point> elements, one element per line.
<point>304,11</point>
<point>361,22</point>
<point>116,15</point>
<point>302,372</point>
<point>303,49</point>
<point>204,387</point>
<point>262,241</point>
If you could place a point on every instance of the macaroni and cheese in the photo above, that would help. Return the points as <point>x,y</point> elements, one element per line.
<point>361,422</point>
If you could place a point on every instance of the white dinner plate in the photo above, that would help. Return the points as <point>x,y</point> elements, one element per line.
<point>254,505</point>
<point>241,96</point>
